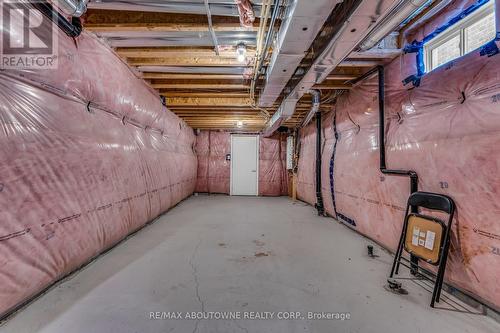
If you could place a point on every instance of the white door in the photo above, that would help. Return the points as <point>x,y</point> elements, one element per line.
<point>244,164</point>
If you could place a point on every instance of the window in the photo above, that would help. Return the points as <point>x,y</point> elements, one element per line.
<point>462,37</point>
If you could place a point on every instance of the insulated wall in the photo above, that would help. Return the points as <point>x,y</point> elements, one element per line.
<point>214,170</point>
<point>89,154</point>
<point>273,176</point>
<point>448,131</point>
<point>306,179</point>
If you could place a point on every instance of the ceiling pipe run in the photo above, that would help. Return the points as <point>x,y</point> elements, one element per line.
<point>263,49</point>
<point>350,34</point>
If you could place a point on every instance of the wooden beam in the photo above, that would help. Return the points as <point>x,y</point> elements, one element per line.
<point>173,93</point>
<point>207,101</point>
<point>199,81</point>
<point>227,107</point>
<point>232,128</point>
<point>193,86</point>
<point>254,120</point>
<point>339,77</point>
<point>165,27</point>
<point>220,115</point>
<point>176,51</point>
<point>174,76</point>
<point>99,20</point>
<point>186,61</point>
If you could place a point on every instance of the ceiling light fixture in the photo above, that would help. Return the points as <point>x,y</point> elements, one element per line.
<point>241,52</point>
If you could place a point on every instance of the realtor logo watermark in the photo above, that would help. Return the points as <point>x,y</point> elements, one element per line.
<point>28,38</point>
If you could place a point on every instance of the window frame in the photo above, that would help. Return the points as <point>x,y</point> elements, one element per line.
<point>458,28</point>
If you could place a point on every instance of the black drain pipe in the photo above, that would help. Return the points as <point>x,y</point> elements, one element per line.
<point>383,166</point>
<point>319,196</point>
<point>72,29</point>
<point>381,111</point>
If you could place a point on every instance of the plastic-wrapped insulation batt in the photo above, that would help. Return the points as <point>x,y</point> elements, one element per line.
<point>89,155</point>
<point>447,130</point>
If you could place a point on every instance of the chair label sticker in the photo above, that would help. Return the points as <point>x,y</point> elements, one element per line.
<point>429,240</point>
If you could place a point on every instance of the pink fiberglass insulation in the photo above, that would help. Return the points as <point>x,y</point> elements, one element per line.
<point>214,169</point>
<point>328,146</point>
<point>306,179</point>
<point>448,131</point>
<point>273,176</point>
<point>89,155</point>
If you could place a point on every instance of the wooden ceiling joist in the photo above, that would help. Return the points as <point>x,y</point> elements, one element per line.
<point>197,86</point>
<point>121,20</point>
<point>177,76</point>
<point>205,96</point>
<point>177,51</point>
<point>186,61</point>
<point>169,93</point>
<point>341,77</point>
<point>208,101</point>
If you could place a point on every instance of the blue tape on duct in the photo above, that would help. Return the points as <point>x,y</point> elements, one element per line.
<point>417,47</point>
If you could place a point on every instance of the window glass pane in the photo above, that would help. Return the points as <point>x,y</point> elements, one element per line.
<point>445,52</point>
<point>480,32</point>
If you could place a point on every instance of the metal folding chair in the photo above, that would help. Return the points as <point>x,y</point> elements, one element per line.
<point>426,237</point>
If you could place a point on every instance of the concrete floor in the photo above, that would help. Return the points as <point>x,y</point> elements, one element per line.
<point>239,255</point>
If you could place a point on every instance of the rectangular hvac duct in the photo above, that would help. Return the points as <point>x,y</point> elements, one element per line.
<point>303,21</point>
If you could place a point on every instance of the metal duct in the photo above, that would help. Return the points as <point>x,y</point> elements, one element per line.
<point>352,32</point>
<point>285,111</point>
<point>391,22</point>
<point>75,8</point>
<point>302,23</point>
<point>436,9</point>
<point>316,97</point>
<point>221,8</point>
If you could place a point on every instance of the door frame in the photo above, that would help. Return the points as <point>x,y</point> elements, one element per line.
<point>258,160</point>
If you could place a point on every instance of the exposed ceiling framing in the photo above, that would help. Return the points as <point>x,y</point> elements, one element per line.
<point>170,45</point>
